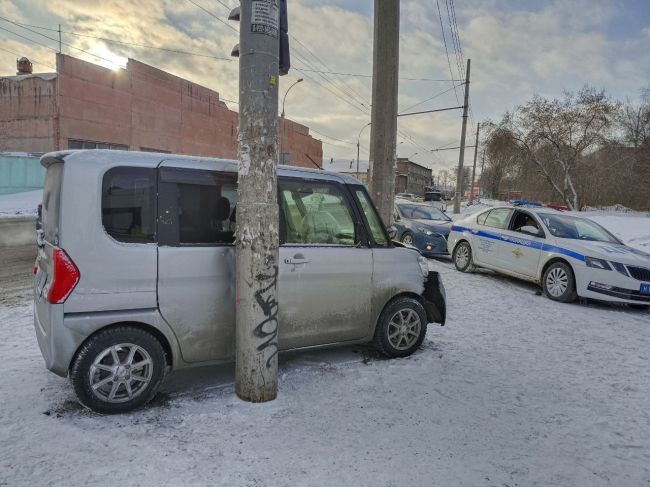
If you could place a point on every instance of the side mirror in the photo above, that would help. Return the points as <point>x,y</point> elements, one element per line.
<point>392,232</point>
<point>531,230</point>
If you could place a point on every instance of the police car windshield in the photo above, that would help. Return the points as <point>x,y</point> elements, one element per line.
<point>422,212</point>
<point>564,226</point>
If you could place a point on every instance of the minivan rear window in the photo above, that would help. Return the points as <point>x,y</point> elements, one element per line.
<point>52,203</point>
<point>129,204</point>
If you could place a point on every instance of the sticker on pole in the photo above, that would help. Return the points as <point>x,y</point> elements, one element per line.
<point>265,17</point>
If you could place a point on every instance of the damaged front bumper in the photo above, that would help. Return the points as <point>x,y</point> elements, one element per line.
<point>435,299</point>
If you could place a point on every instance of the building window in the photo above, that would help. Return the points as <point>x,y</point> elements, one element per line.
<point>149,149</point>
<point>89,144</point>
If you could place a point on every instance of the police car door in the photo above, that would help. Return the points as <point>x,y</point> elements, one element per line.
<point>487,235</point>
<point>520,252</point>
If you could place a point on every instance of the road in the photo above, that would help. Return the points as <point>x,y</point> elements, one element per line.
<point>16,273</point>
<point>515,391</point>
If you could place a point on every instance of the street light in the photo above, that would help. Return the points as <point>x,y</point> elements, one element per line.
<point>282,115</point>
<point>358,144</point>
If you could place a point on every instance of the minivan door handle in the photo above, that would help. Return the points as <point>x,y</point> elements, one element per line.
<point>296,260</point>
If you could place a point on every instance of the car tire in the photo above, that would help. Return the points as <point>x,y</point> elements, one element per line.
<point>407,239</point>
<point>463,257</point>
<point>401,328</point>
<point>559,283</point>
<point>118,370</point>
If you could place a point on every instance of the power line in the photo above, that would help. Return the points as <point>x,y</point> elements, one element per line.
<point>359,75</point>
<point>125,43</point>
<point>213,15</point>
<point>444,40</point>
<point>431,98</point>
<point>50,38</point>
<point>31,59</point>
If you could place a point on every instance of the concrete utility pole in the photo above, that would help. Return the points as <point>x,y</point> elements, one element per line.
<point>461,157</point>
<point>471,188</point>
<point>256,338</point>
<point>383,130</point>
<point>482,166</point>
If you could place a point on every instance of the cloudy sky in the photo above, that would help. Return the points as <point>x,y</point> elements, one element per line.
<point>518,48</point>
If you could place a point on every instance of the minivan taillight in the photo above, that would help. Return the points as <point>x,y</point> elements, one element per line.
<point>65,278</point>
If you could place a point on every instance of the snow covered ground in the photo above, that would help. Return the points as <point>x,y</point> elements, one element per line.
<point>20,204</point>
<point>516,390</point>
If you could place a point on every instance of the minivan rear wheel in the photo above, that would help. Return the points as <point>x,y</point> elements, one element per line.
<point>401,328</point>
<point>118,369</point>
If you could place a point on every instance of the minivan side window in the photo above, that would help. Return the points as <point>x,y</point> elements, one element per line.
<point>374,222</point>
<point>129,204</point>
<point>314,213</point>
<point>197,207</point>
<point>498,218</point>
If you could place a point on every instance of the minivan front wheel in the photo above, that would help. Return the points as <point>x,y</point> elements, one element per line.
<point>401,328</point>
<point>118,369</point>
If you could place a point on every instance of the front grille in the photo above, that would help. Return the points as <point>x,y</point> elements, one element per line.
<point>639,273</point>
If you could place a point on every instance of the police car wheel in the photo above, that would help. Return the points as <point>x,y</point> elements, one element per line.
<point>463,257</point>
<point>559,283</point>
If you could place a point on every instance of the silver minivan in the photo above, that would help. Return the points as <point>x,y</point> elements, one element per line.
<point>135,272</point>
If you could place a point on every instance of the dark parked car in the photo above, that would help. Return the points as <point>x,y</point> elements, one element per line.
<point>422,226</point>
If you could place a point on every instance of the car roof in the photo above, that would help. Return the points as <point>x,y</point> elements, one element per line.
<point>153,157</point>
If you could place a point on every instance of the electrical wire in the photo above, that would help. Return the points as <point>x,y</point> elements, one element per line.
<point>213,15</point>
<point>52,39</point>
<point>34,61</point>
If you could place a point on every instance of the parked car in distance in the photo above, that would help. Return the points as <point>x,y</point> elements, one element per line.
<point>435,199</point>
<point>422,226</point>
<point>568,256</point>
<point>136,267</point>
<point>406,196</point>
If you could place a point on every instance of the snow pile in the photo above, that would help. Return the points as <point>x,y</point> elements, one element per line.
<point>631,230</point>
<point>20,204</point>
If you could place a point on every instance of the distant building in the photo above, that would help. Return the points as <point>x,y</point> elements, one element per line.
<point>83,106</point>
<point>348,166</point>
<point>411,177</point>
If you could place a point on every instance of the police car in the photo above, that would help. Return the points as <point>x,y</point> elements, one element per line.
<point>568,255</point>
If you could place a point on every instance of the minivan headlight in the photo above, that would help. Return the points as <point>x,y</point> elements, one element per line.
<point>426,231</point>
<point>424,265</point>
<point>597,263</point>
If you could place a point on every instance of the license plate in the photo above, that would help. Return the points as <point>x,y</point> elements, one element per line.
<point>645,288</point>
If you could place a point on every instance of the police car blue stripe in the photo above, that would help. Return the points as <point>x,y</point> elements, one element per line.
<point>544,247</point>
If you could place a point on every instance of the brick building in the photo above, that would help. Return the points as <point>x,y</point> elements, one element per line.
<point>411,177</point>
<point>83,105</point>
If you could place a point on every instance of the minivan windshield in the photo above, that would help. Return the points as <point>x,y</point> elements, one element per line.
<point>565,226</point>
<point>422,212</point>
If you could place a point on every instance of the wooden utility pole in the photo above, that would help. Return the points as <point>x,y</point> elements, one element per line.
<point>461,157</point>
<point>383,128</point>
<point>256,337</point>
<point>471,188</point>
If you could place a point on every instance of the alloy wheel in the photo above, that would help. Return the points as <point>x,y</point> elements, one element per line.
<point>120,373</point>
<point>557,282</point>
<point>404,329</point>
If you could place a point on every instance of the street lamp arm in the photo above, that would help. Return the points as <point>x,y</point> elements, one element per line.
<point>286,93</point>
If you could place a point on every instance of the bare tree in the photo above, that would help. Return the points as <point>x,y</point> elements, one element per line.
<point>556,135</point>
